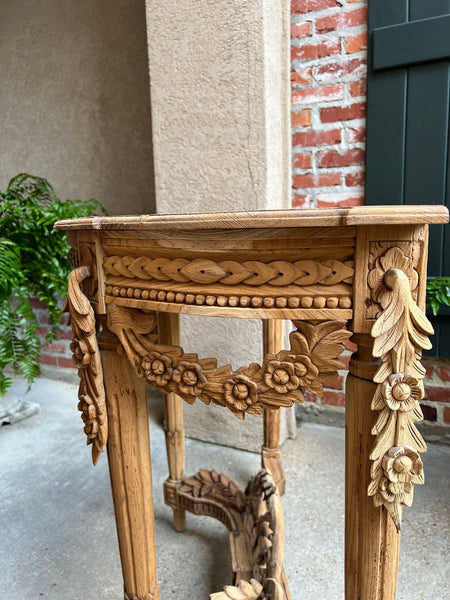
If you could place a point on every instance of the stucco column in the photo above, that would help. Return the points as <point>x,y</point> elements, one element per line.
<point>219,81</point>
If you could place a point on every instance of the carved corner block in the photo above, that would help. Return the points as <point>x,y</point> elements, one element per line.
<point>86,356</point>
<point>372,254</point>
<point>171,489</point>
<point>400,334</point>
<point>91,254</point>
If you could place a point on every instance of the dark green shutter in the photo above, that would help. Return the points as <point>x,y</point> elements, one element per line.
<point>408,98</point>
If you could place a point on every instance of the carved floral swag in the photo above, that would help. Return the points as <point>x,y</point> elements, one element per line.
<point>279,381</point>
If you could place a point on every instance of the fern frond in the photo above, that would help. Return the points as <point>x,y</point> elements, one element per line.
<point>33,263</point>
<point>9,267</point>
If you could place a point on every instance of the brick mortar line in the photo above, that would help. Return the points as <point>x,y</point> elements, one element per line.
<point>318,104</point>
<point>357,123</point>
<point>318,37</point>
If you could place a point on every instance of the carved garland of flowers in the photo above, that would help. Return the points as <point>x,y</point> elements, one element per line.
<point>86,356</point>
<point>401,333</point>
<point>244,391</point>
<point>279,381</point>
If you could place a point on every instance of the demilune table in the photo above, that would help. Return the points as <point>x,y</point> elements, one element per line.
<point>330,272</point>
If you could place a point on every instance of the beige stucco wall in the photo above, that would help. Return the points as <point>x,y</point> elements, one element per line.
<point>219,75</point>
<point>74,99</point>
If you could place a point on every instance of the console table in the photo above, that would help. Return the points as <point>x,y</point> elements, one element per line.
<point>333,273</point>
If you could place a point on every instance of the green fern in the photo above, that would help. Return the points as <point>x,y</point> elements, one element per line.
<point>9,267</point>
<point>33,264</point>
<point>438,293</point>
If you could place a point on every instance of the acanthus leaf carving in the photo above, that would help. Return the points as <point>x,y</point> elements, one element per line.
<point>244,590</point>
<point>401,333</point>
<point>278,382</point>
<point>324,343</point>
<point>251,590</point>
<point>86,357</point>
<point>214,486</point>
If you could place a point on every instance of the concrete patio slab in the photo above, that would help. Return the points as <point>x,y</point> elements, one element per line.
<point>57,521</point>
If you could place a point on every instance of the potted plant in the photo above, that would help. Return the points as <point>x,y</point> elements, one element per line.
<point>33,264</point>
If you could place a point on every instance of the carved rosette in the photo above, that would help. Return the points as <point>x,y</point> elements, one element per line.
<point>401,333</point>
<point>279,381</point>
<point>86,357</point>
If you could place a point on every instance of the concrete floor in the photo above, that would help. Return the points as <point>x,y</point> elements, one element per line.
<point>58,537</point>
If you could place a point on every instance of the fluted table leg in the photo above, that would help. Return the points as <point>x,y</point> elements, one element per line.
<point>372,543</point>
<point>169,333</point>
<point>271,453</point>
<point>130,471</point>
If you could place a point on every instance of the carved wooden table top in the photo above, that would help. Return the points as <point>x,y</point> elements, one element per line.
<point>330,272</point>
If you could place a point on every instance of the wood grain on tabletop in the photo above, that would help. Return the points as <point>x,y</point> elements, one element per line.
<point>359,215</point>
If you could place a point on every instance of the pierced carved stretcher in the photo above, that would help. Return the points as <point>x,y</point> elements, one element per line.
<point>255,521</point>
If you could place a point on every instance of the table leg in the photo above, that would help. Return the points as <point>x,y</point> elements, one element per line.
<point>169,334</point>
<point>130,471</point>
<point>372,542</point>
<point>271,453</point>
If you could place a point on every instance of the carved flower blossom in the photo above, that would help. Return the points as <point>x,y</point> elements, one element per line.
<point>157,368</point>
<point>396,492</point>
<point>296,370</point>
<point>305,370</point>
<point>89,417</point>
<point>81,354</point>
<point>399,392</point>
<point>403,463</point>
<point>402,467</point>
<point>190,378</point>
<point>241,392</point>
<point>394,258</point>
<point>281,376</point>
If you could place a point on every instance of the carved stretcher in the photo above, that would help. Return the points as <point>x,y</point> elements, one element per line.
<point>329,272</point>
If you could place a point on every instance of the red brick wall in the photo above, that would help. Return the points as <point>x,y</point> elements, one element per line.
<point>328,79</point>
<point>56,354</point>
<point>328,102</point>
<point>436,404</point>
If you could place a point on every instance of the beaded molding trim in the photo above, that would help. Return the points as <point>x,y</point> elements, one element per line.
<point>344,302</point>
